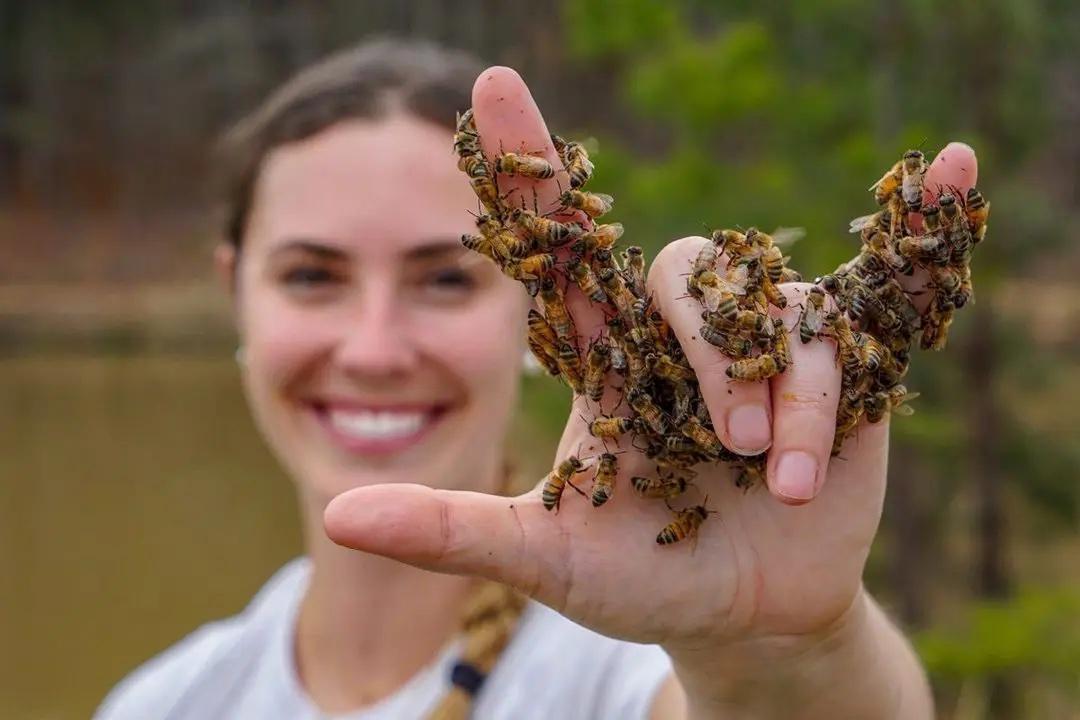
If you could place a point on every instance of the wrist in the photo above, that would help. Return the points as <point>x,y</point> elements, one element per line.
<point>836,671</point>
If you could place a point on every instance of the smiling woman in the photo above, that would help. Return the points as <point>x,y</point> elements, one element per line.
<point>377,350</point>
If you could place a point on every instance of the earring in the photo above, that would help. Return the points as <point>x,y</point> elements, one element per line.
<point>240,356</point>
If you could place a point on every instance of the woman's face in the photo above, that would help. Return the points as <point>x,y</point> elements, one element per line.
<point>377,349</point>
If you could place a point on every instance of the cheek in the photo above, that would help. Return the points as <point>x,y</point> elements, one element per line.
<point>483,346</point>
<point>280,341</point>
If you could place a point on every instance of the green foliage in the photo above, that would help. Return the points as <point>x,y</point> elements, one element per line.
<point>744,82</point>
<point>597,28</point>
<point>1038,631</point>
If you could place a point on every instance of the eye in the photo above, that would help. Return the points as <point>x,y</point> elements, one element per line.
<point>451,278</point>
<point>307,276</point>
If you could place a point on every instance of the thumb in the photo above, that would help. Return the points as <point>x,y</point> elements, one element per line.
<point>506,539</point>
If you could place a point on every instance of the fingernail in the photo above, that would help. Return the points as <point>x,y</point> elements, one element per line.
<point>796,475</point>
<point>749,429</point>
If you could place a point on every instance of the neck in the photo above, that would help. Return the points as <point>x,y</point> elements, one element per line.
<point>367,624</point>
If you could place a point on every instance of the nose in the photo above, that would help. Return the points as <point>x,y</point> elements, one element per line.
<point>376,339</point>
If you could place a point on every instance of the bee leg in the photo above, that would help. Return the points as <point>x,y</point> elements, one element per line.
<point>579,490</point>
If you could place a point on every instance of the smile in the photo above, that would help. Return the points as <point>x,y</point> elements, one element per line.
<point>377,431</point>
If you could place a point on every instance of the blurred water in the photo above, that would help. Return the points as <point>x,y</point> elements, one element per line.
<point>136,502</point>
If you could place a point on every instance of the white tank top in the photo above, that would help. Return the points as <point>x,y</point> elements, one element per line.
<point>243,667</point>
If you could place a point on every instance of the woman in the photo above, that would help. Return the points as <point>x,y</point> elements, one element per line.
<point>380,361</point>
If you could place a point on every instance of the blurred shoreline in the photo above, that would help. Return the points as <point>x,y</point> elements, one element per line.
<point>191,317</point>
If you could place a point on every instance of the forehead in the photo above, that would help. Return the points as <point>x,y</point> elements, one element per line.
<point>382,185</point>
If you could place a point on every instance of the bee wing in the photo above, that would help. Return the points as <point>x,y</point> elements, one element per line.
<point>785,237</point>
<point>861,223</point>
<point>814,318</point>
<point>904,410</point>
<point>892,171</point>
<point>605,198</point>
<point>711,297</point>
<point>737,277</point>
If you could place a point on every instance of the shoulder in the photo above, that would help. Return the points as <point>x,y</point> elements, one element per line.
<point>584,674</point>
<point>207,659</point>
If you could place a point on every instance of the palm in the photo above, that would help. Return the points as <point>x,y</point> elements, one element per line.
<point>756,562</point>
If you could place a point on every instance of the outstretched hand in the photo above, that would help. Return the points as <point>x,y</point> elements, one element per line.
<point>776,561</point>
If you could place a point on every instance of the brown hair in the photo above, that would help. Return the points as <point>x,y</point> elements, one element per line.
<point>367,81</point>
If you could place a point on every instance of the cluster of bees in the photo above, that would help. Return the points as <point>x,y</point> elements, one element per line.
<point>636,362</point>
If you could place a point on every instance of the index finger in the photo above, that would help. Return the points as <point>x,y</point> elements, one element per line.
<point>954,169</point>
<point>509,120</point>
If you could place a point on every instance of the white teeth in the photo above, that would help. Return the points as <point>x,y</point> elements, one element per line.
<point>377,425</point>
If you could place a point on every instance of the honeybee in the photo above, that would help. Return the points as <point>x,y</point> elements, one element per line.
<point>848,413</point>
<point>600,237</point>
<point>619,295</point>
<point>663,366</point>
<point>781,351</point>
<point>543,342</point>
<point>480,244</point>
<point>773,295</point>
<point>533,267</point>
<point>863,304</point>
<point>732,242</point>
<point>558,479</point>
<point>977,210</point>
<point>812,317</point>
<point>773,260</point>
<point>706,258</point>
<point>592,204</point>
<point>466,138</point>
<point>685,524</point>
<point>570,366</point>
<point>730,344</point>
<point>634,264</point>
<point>659,488</point>
<point>576,160</point>
<point>956,228</point>
<point>527,165</point>
<point>636,367</point>
<point>887,186</point>
<point>546,232</point>
<point>752,369</point>
<point>608,427</point>
<point>505,243</point>
<point>924,248</point>
<point>597,362</point>
<point>935,326</point>
<point>874,221</point>
<point>483,183</point>
<point>911,184</point>
<point>874,354</point>
<point>750,473</point>
<point>604,481</point>
<point>586,279</point>
<point>603,259</point>
<point>947,279</point>
<point>702,436</point>
<point>898,398</point>
<point>644,406</point>
<point>545,357</point>
<point>716,292</point>
<point>554,305</point>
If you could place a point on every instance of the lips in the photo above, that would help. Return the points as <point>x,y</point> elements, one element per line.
<point>377,430</point>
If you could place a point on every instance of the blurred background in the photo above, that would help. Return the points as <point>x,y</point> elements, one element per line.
<point>136,500</point>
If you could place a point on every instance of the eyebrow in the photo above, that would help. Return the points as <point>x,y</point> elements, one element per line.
<point>432,248</point>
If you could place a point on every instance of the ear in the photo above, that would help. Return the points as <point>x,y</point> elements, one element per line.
<point>225,258</point>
